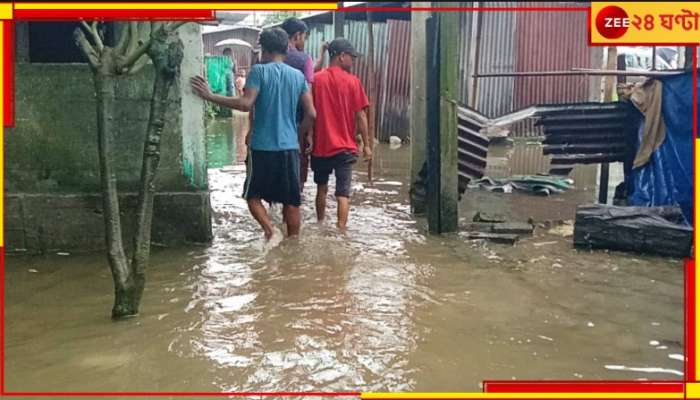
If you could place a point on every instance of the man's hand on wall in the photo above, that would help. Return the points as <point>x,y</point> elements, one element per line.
<point>200,87</point>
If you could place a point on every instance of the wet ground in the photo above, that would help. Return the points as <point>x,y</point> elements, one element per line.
<point>383,308</point>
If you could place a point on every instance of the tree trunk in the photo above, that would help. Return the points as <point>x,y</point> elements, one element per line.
<point>118,262</point>
<point>166,52</point>
<point>165,49</point>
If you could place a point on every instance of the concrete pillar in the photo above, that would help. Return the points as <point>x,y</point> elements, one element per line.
<point>194,160</point>
<point>417,110</point>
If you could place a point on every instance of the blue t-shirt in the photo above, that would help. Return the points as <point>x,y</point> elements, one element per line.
<point>279,87</point>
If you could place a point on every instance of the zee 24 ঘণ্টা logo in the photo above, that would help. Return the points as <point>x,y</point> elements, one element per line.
<point>612,22</point>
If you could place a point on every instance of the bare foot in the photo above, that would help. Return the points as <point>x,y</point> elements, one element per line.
<point>274,240</point>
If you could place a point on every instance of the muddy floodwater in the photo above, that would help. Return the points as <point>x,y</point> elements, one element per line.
<point>385,307</point>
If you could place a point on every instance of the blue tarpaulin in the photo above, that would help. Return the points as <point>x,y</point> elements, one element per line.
<point>667,179</point>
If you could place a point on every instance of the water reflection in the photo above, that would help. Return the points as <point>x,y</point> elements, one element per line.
<point>221,143</point>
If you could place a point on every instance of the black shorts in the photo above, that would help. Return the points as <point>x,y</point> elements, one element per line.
<point>273,176</point>
<point>342,165</point>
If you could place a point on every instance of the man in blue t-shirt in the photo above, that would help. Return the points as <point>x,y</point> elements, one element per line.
<point>275,89</point>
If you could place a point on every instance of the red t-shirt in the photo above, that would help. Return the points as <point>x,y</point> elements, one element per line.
<point>338,95</point>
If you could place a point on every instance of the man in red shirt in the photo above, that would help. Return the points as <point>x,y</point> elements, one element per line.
<point>340,101</point>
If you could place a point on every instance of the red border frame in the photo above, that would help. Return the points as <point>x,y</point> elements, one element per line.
<point>489,386</point>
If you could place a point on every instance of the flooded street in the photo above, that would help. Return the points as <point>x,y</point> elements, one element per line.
<point>383,308</point>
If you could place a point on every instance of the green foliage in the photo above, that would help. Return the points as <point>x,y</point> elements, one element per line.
<point>213,111</point>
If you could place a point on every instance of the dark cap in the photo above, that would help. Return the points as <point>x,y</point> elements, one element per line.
<point>341,45</point>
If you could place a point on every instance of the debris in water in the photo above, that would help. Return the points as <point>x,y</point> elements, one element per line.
<point>504,238</point>
<point>557,265</point>
<point>590,324</point>
<point>161,316</point>
<point>655,324</point>
<point>32,270</point>
<point>662,348</point>
<point>565,229</point>
<point>63,253</point>
<point>501,227</point>
<point>543,244</point>
<point>654,343</point>
<point>486,217</point>
<point>513,227</point>
<point>547,338</point>
<point>678,357</point>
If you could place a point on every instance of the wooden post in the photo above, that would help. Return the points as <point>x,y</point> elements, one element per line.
<point>476,27</point>
<point>339,22</point>
<point>372,95</point>
<point>418,127</point>
<point>595,81</point>
<point>449,93</point>
<point>610,87</point>
<point>442,128</point>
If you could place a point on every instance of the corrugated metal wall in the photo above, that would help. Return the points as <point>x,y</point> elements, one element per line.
<point>465,49</point>
<point>391,67</point>
<point>547,43</point>
<point>395,97</point>
<point>510,41</point>
<point>523,41</point>
<point>318,33</point>
<point>496,54</point>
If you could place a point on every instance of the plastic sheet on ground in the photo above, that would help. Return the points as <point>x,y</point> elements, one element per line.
<point>537,184</point>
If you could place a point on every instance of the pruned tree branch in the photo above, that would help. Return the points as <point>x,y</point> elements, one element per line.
<point>138,66</point>
<point>173,26</point>
<point>133,56</point>
<point>86,48</point>
<point>132,44</point>
<point>92,30</point>
<point>96,36</point>
<point>155,26</point>
<point>124,37</point>
<point>85,25</point>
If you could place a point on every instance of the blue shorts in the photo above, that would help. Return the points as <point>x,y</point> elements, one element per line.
<point>273,176</point>
<point>341,164</point>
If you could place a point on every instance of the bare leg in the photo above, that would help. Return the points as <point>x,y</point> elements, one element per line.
<point>292,217</point>
<point>321,193</point>
<point>343,211</point>
<point>257,209</point>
